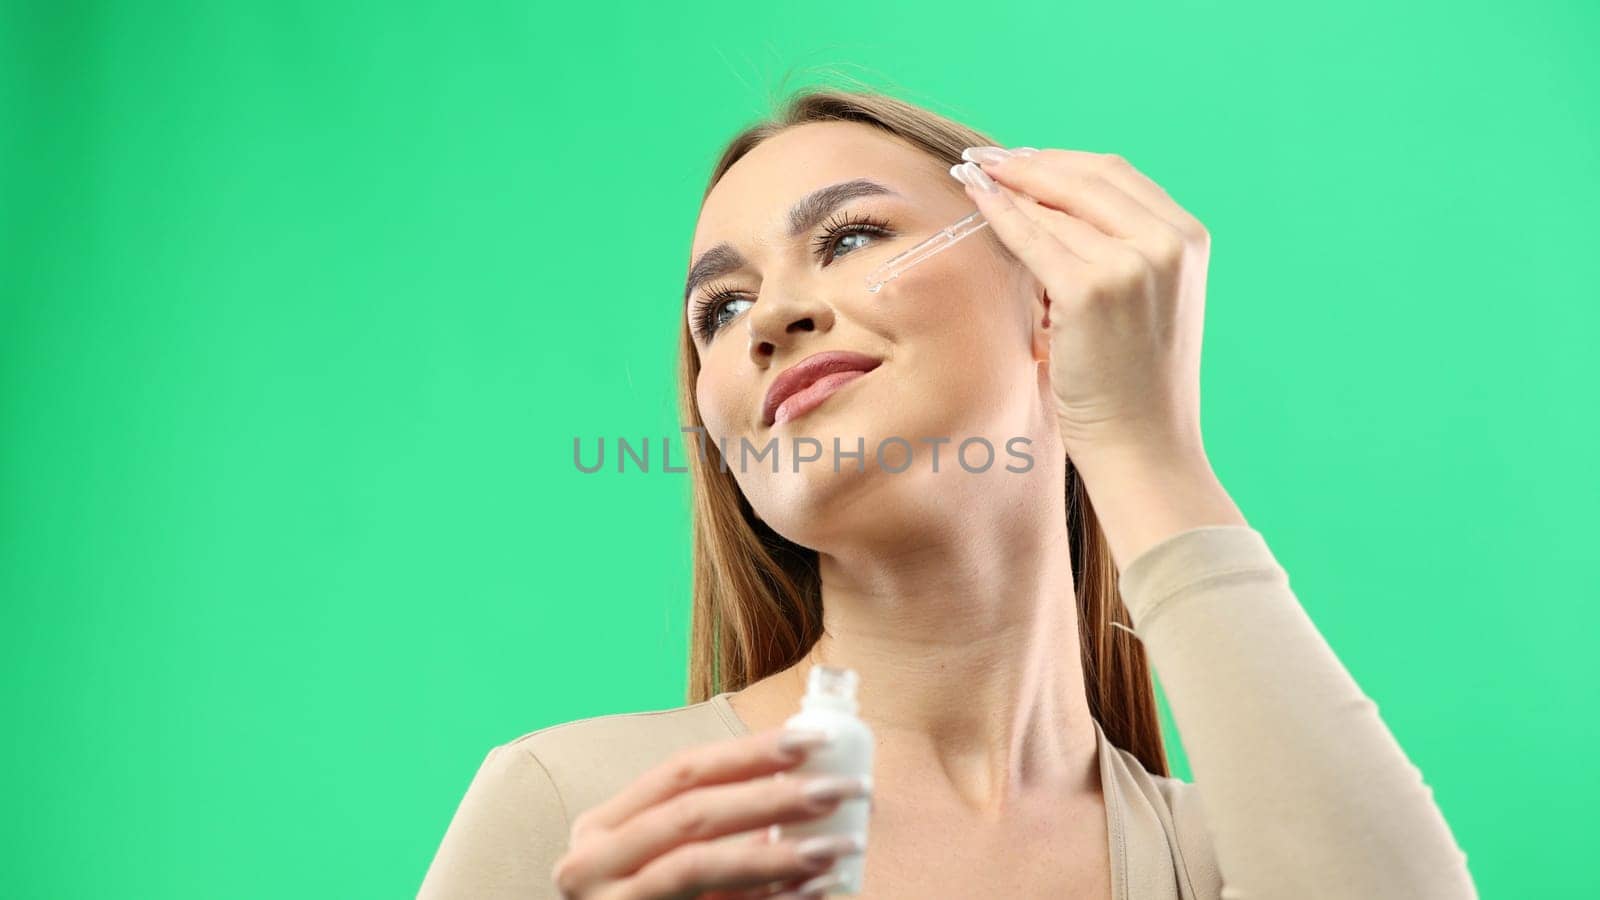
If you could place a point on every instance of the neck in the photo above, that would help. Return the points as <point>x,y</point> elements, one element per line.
<point>968,652</point>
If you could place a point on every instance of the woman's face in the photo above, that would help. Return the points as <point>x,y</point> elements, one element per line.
<point>950,342</point>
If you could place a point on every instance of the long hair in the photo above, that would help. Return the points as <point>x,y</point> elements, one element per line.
<point>757,606</point>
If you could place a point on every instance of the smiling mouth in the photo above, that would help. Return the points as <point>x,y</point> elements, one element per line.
<point>804,401</point>
<point>805,385</point>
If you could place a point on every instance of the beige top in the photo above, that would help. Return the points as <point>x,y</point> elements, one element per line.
<point>1300,789</point>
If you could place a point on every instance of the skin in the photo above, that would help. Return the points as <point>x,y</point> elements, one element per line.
<point>951,593</point>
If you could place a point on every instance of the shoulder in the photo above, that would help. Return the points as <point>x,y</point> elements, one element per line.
<point>1169,810</point>
<point>588,760</point>
<point>512,824</point>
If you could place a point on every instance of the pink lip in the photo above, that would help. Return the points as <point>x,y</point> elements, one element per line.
<point>803,386</point>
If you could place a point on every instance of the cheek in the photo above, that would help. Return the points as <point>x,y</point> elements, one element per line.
<point>721,403</point>
<point>963,282</point>
<point>964,341</point>
<point>963,308</point>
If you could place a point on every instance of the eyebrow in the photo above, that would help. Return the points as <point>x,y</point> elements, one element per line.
<point>803,216</point>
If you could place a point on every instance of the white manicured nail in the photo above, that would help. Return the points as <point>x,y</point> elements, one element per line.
<point>982,155</point>
<point>828,846</point>
<point>835,787</point>
<point>821,884</point>
<point>796,740</point>
<point>980,177</point>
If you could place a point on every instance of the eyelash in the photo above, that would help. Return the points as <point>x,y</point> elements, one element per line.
<point>837,226</point>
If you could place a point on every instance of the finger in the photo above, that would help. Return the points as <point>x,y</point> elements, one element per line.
<point>764,753</point>
<point>761,892</point>
<point>707,813</point>
<point>782,889</point>
<point>1117,170</point>
<point>811,889</point>
<point>769,891</point>
<point>692,869</point>
<point>1051,261</point>
<point>1091,188</point>
<point>1084,240</point>
<point>1115,255</point>
<point>1082,192</point>
<point>1146,241</point>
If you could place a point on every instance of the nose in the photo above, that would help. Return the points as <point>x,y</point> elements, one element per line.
<point>776,321</point>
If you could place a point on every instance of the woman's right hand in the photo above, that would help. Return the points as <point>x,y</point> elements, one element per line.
<point>657,839</point>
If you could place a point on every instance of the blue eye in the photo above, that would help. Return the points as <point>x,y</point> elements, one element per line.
<point>844,226</point>
<point>712,311</point>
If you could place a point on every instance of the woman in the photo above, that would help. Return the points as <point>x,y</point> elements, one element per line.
<point>999,615</point>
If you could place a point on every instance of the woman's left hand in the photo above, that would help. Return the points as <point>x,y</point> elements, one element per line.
<point>1123,268</point>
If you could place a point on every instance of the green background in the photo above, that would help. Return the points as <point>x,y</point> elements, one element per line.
<point>304,304</point>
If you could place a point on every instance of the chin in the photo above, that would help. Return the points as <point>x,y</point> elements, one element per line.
<point>824,509</point>
<point>834,512</point>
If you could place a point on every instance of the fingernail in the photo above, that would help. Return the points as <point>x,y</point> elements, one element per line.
<point>835,787</point>
<point>958,172</point>
<point>1024,151</point>
<point>827,846</point>
<point>980,177</point>
<point>795,740</point>
<point>821,884</point>
<point>981,155</point>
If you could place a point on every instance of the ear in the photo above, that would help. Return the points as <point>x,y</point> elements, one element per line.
<point>1041,324</point>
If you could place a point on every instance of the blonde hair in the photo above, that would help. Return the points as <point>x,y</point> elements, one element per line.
<point>757,596</point>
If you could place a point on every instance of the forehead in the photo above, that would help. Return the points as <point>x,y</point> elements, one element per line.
<point>749,204</point>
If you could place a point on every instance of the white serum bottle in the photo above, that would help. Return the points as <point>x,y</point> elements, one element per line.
<point>830,706</point>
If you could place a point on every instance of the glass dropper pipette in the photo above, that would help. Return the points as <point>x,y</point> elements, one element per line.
<point>945,237</point>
